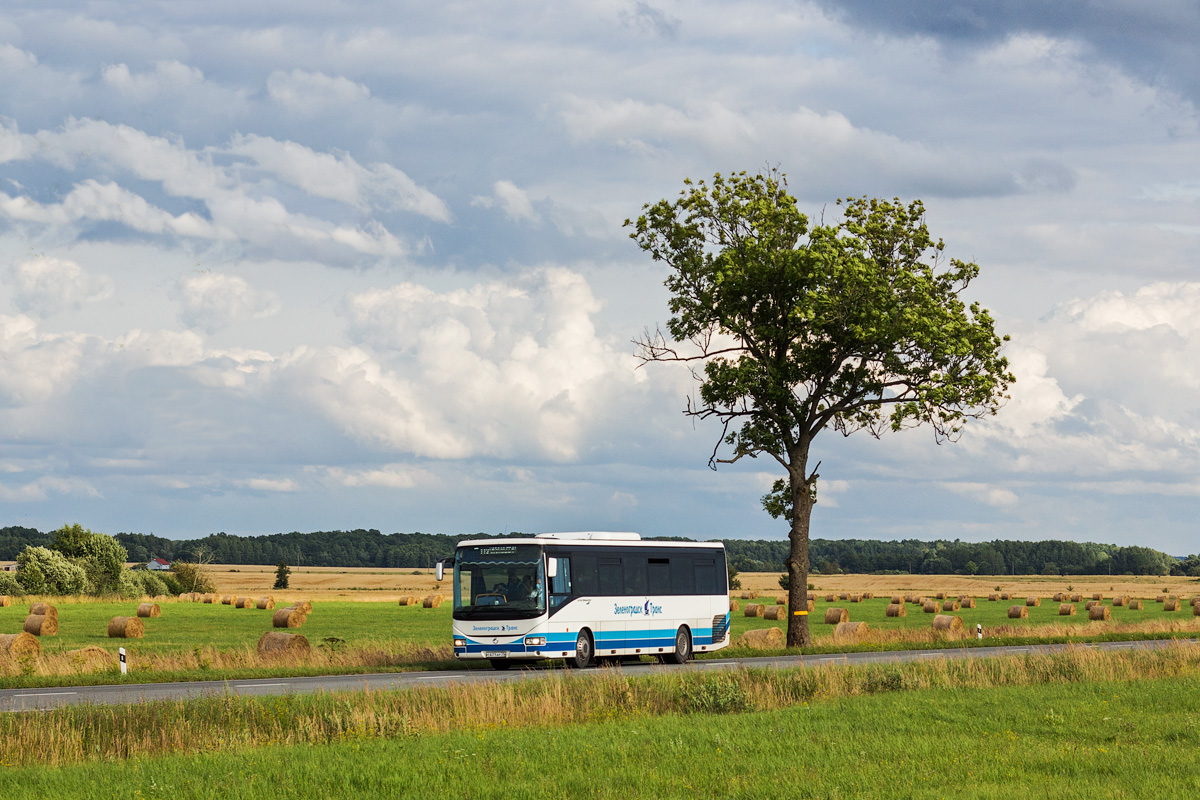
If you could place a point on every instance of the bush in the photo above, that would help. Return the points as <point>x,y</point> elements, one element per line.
<point>100,556</point>
<point>45,571</point>
<point>10,585</point>
<point>192,577</point>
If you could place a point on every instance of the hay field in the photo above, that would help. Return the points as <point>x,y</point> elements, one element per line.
<point>1144,586</point>
<point>358,583</point>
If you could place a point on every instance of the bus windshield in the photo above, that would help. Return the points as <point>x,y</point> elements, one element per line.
<point>500,581</point>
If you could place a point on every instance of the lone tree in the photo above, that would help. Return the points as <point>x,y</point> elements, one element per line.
<point>281,575</point>
<point>790,330</point>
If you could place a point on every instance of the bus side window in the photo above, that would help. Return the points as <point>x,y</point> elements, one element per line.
<point>706,576</point>
<point>683,581</point>
<point>610,577</point>
<point>635,574</point>
<point>560,584</point>
<point>659,575</point>
<point>585,574</point>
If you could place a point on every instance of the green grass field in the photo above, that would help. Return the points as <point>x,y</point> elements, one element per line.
<point>1089,739</point>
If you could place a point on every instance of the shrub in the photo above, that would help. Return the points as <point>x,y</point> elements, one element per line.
<point>10,585</point>
<point>192,577</point>
<point>45,571</point>
<point>100,556</point>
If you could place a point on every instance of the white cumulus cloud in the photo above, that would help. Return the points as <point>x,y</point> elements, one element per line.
<point>212,301</point>
<point>46,285</point>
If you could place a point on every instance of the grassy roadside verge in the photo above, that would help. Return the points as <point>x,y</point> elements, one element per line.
<point>82,733</point>
<point>1079,725</point>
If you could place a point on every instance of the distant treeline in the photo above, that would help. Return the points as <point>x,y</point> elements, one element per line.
<point>370,548</point>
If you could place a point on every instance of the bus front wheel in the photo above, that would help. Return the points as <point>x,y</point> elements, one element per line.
<point>583,650</point>
<point>683,646</point>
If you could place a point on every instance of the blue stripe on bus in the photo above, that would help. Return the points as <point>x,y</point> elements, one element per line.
<point>604,640</point>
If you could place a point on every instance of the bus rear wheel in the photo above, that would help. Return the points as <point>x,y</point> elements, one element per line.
<point>683,646</point>
<point>583,651</point>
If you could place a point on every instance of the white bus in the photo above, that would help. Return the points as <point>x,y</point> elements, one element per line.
<point>587,596</point>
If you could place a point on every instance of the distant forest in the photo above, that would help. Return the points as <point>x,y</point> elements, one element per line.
<point>370,548</point>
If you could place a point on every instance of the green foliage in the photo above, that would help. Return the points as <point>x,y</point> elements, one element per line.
<point>45,571</point>
<point>785,581</point>
<point>734,582</point>
<point>281,575</point>
<point>9,585</point>
<point>192,577</point>
<point>100,556</point>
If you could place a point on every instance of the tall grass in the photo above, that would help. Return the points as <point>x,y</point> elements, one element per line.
<point>89,733</point>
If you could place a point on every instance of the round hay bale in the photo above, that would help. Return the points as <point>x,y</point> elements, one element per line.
<point>868,595</point>
<point>185,595</point>
<point>20,644</point>
<point>126,628</point>
<point>210,599</point>
<point>1058,597</point>
<point>246,602</point>
<point>932,607</point>
<point>912,598</point>
<point>1067,610</point>
<point>1005,596</point>
<point>265,603</point>
<point>947,623</point>
<point>41,625</point>
<point>770,638</point>
<point>897,610</point>
<point>44,609</point>
<point>745,595</point>
<point>831,598</point>
<point>1134,604</point>
<point>993,596</point>
<point>812,606</point>
<point>1100,613</point>
<point>781,601</point>
<point>733,603</point>
<point>850,630</point>
<point>1171,604</point>
<point>432,601</point>
<point>844,596</point>
<point>1098,596</point>
<point>1196,610</point>
<point>1090,604</point>
<point>5,601</point>
<point>227,600</point>
<point>1018,612</point>
<point>950,605</point>
<point>941,595</point>
<point>855,598</point>
<point>92,658</point>
<point>754,610</point>
<point>1033,601</point>
<point>149,610</point>
<point>966,602</point>
<point>897,599</point>
<point>411,600</point>
<point>777,613</point>
<point>1075,598</point>
<point>306,606</point>
<point>273,643</point>
<point>1160,598</point>
<point>836,616</point>
<point>290,617</point>
<point>1118,600</point>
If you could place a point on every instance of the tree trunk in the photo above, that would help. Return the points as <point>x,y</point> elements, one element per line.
<point>798,634</point>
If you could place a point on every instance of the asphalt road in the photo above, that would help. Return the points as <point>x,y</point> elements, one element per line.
<point>49,698</point>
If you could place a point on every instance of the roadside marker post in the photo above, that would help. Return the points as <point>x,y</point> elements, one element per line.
<point>979,630</point>
<point>121,652</point>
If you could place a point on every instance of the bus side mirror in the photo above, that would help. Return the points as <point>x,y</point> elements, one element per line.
<point>439,569</point>
<point>551,567</point>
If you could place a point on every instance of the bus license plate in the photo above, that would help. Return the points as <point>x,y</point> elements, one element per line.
<point>495,654</point>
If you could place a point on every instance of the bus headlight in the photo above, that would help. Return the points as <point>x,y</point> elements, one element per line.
<point>460,642</point>
<point>535,641</point>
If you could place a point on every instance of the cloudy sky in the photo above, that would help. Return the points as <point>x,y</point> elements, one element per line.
<point>315,264</point>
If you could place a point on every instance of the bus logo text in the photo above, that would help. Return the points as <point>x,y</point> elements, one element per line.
<point>649,610</point>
